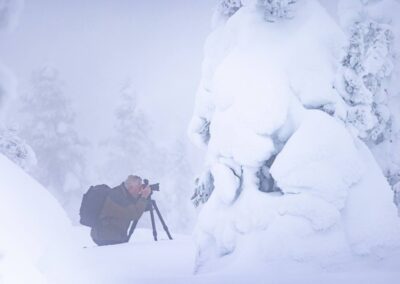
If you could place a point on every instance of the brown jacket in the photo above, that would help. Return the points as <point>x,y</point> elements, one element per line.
<point>119,209</point>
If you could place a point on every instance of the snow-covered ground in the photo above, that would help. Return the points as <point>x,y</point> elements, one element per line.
<point>140,261</point>
<point>38,245</point>
<point>36,241</point>
<point>145,261</point>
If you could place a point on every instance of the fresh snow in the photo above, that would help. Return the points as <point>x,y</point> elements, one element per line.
<point>36,240</point>
<point>39,245</point>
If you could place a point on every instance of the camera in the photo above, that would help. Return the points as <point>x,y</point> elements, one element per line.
<point>153,187</point>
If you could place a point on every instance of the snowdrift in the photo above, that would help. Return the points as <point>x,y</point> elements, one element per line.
<point>36,240</point>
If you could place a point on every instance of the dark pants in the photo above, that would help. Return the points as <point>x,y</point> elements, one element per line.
<point>106,242</point>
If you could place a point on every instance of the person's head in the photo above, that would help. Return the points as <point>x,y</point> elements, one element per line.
<point>133,184</point>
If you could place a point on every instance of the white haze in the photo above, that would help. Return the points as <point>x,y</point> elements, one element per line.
<point>99,45</point>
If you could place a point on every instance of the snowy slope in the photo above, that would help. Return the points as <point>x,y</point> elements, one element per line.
<point>36,240</point>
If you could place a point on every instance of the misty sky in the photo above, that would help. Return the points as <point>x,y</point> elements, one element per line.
<point>97,45</point>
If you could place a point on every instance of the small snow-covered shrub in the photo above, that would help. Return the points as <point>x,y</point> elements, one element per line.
<point>16,149</point>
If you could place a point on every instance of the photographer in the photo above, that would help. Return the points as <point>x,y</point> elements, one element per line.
<point>124,204</point>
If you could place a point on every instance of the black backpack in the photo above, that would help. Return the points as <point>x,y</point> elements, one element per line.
<point>92,203</point>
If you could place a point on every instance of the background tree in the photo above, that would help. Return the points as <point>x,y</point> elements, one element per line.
<point>129,150</point>
<point>47,123</point>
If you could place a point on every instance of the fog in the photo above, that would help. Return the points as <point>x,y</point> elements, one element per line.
<point>99,45</point>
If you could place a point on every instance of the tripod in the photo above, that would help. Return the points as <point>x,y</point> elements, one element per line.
<point>151,206</point>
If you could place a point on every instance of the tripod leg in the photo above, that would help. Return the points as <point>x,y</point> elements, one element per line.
<point>132,228</point>
<point>161,219</point>
<point>153,224</point>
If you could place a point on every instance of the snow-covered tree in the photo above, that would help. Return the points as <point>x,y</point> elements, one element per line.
<point>275,10</point>
<point>228,7</point>
<point>280,174</point>
<point>129,149</point>
<point>367,67</point>
<point>47,123</point>
<point>16,149</point>
<point>367,79</point>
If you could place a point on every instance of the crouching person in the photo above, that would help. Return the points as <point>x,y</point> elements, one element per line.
<point>124,204</point>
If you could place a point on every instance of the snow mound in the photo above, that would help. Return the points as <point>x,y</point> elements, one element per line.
<point>320,158</point>
<point>331,165</point>
<point>36,235</point>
